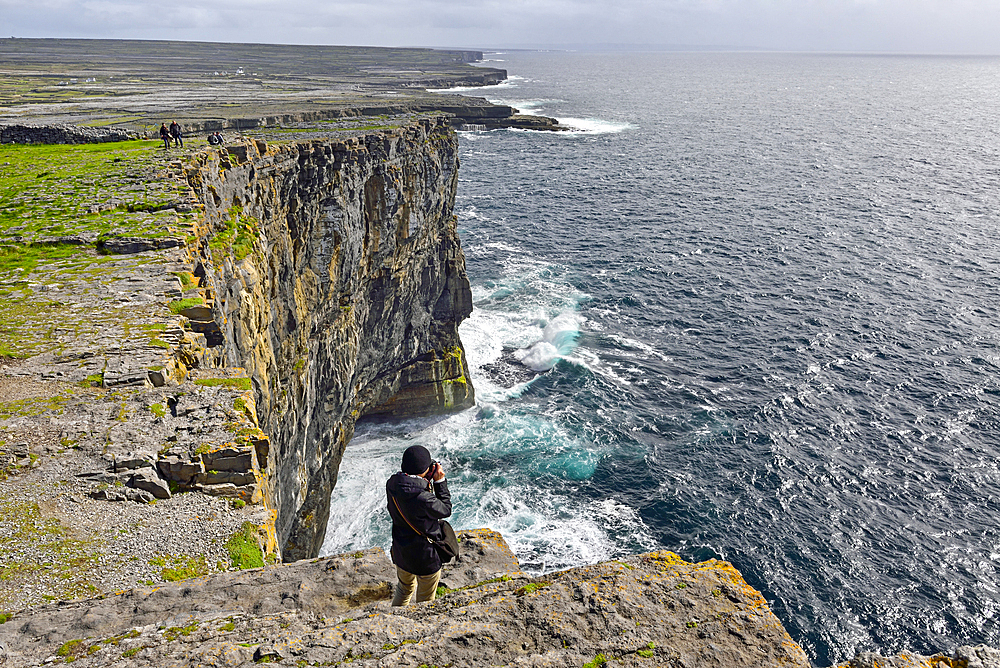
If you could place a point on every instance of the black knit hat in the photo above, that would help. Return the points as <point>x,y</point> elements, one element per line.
<point>416,460</point>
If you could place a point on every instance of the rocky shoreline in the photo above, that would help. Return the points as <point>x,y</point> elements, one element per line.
<point>137,457</point>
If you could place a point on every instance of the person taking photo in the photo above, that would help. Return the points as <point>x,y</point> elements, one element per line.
<point>418,499</point>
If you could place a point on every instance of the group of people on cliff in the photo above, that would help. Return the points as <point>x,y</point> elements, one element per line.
<point>173,133</point>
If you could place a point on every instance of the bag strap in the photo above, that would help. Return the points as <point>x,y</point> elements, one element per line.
<point>401,514</point>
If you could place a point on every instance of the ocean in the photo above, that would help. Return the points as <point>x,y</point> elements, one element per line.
<point>746,309</point>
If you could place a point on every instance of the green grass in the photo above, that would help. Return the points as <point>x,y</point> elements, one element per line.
<point>244,550</point>
<point>71,650</point>
<point>648,652</point>
<point>237,239</point>
<point>34,406</point>
<point>181,566</point>
<point>56,190</point>
<point>181,304</point>
<point>174,632</point>
<point>532,587</point>
<point>93,190</point>
<point>444,591</point>
<point>41,556</point>
<point>115,640</point>
<point>237,383</point>
<point>188,280</point>
<point>93,380</point>
<point>24,259</point>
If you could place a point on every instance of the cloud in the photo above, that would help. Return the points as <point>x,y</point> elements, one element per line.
<point>953,26</point>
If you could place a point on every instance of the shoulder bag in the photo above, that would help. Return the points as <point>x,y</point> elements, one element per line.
<point>447,549</point>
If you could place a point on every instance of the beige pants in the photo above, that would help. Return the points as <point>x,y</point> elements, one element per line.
<point>426,586</point>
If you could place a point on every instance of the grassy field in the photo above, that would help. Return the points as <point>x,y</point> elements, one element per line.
<point>58,190</point>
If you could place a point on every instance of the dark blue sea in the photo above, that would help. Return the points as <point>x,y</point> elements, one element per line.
<point>748,309</point>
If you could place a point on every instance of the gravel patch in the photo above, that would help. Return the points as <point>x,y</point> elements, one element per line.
<point>58,543</point>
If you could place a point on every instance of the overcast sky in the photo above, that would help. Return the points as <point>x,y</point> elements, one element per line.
<point>902,26</point>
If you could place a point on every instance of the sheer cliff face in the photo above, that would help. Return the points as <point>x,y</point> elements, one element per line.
<point>344,299</point>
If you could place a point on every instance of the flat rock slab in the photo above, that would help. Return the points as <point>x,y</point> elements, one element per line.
<point>647,610</point>
<point>321,587</point>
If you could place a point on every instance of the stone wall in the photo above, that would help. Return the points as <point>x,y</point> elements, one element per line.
<point>62,134</point>
<point>347,301</point>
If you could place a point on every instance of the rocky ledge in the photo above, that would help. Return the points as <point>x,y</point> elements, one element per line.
<point>647,610</point>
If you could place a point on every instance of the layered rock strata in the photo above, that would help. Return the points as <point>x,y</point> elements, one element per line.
<point>340,293</point>
<point>461,110</point>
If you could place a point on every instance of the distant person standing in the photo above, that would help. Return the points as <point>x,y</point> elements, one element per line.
<point>175,132</point>
<point>165,135</point>
<point>418,500</point>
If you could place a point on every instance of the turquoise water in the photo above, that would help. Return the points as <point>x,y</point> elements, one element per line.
<point>747,309</point>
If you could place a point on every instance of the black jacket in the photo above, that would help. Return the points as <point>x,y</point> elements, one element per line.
<point>424,509</point>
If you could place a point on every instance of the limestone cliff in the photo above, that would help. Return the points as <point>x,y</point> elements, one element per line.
<point>339,287</point>
<point>245,305</point>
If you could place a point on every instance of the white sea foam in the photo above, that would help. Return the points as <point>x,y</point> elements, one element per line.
<point>592,362</point>
<point>558,339</point>
<point>492,458</point>
<point>550,532</point>
<point>529,107</point>
<point>509,82</point>
<point>591,126</point>
<point>358,517</point>
<point>496,454</point>
<point>625,345</point>
<point>544,528</point>
<point>356,506</point>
